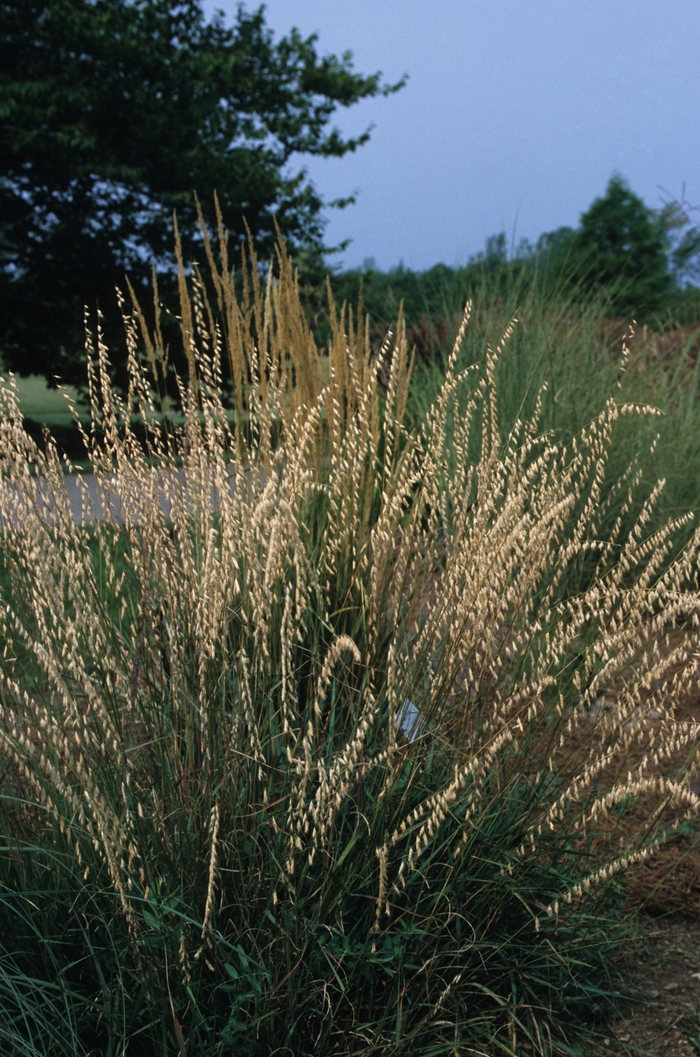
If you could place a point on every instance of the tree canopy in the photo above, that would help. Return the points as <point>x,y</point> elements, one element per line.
<point>113,113</point>
<point>623,246</point>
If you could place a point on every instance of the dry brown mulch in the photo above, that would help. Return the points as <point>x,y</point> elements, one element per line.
<point>661,1016</point>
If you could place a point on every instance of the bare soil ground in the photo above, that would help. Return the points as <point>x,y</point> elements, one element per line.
<point>660,1016</point>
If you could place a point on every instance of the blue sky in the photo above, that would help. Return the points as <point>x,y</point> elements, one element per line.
<point>516,114</point>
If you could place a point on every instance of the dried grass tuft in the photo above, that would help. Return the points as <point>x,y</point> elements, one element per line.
<point>201,691</point>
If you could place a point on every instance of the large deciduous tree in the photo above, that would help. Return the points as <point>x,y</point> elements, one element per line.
<point>112,114</point>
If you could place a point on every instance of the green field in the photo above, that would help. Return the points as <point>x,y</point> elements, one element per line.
<point>44,405</point>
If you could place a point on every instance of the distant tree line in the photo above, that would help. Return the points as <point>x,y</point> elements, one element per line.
<point>639,262</point>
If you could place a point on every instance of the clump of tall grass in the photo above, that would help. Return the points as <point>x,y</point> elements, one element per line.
<point>565,343</point>
<point>289,736</point>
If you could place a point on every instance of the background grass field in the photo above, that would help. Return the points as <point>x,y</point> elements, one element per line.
<point>42,404</point>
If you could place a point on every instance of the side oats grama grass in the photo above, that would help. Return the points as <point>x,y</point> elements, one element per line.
<point>217,837</point>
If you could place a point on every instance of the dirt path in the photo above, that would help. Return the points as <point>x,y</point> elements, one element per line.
<point>98,498</point>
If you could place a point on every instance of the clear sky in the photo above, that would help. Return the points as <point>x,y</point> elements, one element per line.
<point>516,114</point>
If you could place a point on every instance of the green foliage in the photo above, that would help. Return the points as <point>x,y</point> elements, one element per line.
<point>112,113</point>
<point>432,301</point>
<point>622,248</point>
<point>305,970</point>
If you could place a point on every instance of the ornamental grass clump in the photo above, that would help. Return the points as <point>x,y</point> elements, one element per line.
<point>302,740</point>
